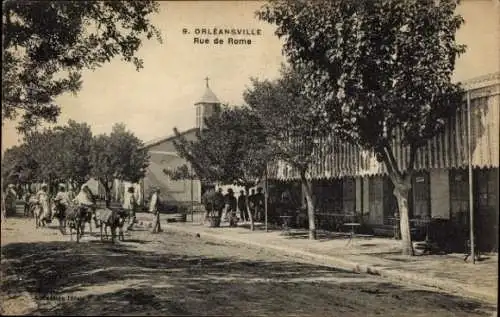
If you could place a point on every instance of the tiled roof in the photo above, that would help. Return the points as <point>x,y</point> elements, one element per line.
<point>208,97</point>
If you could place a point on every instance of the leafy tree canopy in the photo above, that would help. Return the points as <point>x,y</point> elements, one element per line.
<point>18,166</point>
<point>293,137</point>
<point>375,65</point>
<point>46,45</point>
<point>75,152</point>
<point>118,155</point>
<point>232,149</point>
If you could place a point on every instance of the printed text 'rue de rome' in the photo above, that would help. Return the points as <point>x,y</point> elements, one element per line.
<point>220,36</point>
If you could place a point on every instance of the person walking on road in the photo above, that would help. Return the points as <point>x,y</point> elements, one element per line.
<point>153,207</point>
<point>130,204</point>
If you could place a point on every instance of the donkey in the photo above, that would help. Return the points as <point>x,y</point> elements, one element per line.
<point>115,219</point>
<point>75,219</point>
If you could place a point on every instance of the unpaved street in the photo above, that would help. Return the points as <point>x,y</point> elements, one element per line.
<point>170,274</point>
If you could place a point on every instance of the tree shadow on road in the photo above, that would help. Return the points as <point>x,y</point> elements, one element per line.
<point>121,279</point>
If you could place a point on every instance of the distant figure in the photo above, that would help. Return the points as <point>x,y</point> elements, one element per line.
<point>62,199</point>
<point>71,194</point>
<point>130,204</point>
<point>259,204</point>
<point>219,202</point>
<point>230,202</point>
<point>10,200</point>
<point>208,201</point>
<point>42,194</point>
<point>41,208</point>
<point>85,198</point>
<point>26,201</point>
<point>242,206</point>
<point>3,216</point>
<point>153,207</point>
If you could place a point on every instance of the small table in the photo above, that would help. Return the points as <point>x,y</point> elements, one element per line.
<point>353,225</point>
<point>286,226</point>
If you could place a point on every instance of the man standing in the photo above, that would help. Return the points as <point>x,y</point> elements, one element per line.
<point>130,204</point>
<point>219,202</point>
<point>230,201</point>
<point>242,206</point>
<point>153,207</point>
<point>259,204</point>
<point>208,201</point>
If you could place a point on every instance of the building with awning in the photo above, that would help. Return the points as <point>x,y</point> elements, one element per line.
<point>440,183</point>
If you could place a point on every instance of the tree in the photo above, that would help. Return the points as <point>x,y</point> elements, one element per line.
<point>120,155</point>
<point>44,147</point>
<point>52,155</point>
<point>231,150</point>
<point>46,45</point>
<point>378,67</point>
<point>294,137</point>
<point>75,152</point>
<point>18,167</point>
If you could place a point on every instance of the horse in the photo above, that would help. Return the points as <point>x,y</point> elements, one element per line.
<point>42,212</point>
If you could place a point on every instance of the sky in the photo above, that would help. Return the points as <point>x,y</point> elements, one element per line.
<point>162,95</point>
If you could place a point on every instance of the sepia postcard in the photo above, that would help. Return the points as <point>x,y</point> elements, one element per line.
<point>250,158</point>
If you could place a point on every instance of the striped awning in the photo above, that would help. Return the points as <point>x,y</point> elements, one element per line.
<point>449,149</point>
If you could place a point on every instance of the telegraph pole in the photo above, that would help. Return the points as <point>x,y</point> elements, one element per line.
<point>471,187</point>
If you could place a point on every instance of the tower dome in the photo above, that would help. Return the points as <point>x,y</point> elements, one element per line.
<point>208,105</point>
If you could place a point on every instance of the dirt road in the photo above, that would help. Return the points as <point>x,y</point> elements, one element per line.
<point>169,274</point>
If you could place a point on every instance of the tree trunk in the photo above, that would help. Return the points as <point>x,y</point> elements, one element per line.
<point>306,185</point>
<point>402,186</point>
<point>247,192</point>
<point>107,190</point>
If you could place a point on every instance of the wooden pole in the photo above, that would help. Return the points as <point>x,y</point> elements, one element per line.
<point>471,187</point>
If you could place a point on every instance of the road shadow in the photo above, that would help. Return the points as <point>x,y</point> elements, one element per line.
<point>121,279</point>
<point>321,236</point>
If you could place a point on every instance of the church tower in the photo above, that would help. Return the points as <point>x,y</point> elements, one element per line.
<point>208,105</point>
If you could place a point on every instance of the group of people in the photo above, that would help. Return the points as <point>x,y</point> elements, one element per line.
<point>65,198</point>
<point>227,206</point>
